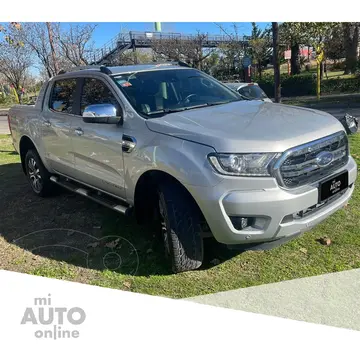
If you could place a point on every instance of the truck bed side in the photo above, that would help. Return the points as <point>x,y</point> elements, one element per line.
<point>25,120</point>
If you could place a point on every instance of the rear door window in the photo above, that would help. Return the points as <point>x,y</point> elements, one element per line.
<point>62,96</point>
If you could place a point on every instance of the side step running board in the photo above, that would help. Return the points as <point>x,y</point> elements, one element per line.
<point>97,196</point>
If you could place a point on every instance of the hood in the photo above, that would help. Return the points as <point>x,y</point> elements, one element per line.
<point>248,126</point>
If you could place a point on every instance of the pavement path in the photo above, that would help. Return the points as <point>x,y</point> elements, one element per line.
<point>331,299</point>
<point>4,128</point>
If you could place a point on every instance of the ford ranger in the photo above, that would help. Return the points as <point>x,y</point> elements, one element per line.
<point>185,153</point>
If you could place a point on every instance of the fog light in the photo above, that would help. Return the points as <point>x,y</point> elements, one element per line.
<point>240,223</point>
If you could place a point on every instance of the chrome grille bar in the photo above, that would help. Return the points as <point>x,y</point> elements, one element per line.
<point>299,165</point>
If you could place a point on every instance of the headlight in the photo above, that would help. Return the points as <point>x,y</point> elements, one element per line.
<point>243,164</point>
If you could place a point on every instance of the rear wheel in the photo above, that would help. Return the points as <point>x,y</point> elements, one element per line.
<point>38,176</point>
<point>180,222</point>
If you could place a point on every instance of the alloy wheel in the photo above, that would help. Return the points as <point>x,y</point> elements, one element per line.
<point>34,175</point>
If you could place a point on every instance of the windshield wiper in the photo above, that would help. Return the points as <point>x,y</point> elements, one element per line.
<point>219,102</point>
<point>167,110</point>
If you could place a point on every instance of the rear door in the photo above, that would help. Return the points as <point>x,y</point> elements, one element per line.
<point>98,147</point>
<point>58,114</point>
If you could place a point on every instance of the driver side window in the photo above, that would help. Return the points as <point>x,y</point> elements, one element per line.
<point>96,92</point>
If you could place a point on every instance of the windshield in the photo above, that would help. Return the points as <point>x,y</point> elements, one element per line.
<point>155,93</point>
<point>252,92</point>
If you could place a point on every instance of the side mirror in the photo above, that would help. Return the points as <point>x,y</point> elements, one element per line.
<point>101,114</point>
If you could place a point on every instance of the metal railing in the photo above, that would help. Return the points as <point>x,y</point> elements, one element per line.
<point>108,48</point>
<point>144,39</point>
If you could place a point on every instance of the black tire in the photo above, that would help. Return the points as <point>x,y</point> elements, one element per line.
<point>38,176</point>
<point>180,221</point>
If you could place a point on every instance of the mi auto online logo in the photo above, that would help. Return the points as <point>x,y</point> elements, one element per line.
<point>53,322</point>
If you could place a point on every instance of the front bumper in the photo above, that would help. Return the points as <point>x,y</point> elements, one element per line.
<point>272,208</point>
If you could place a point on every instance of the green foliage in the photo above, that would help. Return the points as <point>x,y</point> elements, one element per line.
<point>260,46</point>
<point>293,33</point>
<point>297,85</point>
<point>350,85</point>
<point>305,85</point>
<point>334,43</point>
<point>305,33</point>
<point>7,101</point>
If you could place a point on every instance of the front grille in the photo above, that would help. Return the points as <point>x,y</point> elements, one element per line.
<point>300,165</point>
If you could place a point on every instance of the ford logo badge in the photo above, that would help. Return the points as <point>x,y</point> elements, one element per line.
<point>324,158</point>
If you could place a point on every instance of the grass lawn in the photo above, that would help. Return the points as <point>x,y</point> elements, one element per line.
<point>60,253</point>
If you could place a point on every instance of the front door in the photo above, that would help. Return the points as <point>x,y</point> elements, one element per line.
<point>97,147</point>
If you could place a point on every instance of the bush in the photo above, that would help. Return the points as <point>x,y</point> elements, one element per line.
<point>297,85</point>
<point>7,101</point>
<point>305,85</point>
<point>330,86</point>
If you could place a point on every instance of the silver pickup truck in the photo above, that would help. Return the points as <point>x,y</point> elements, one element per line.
<point>185,153</point>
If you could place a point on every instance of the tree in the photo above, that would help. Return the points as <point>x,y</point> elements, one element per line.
<point>188,49</point>
<point>232,52</point>
<point>260,47</point>
<point>317,33</point>
<point>14,64</point>
<point>294,34</point>
<point>334,43</point>
<point>211,63</point>
<point>131,57</point>
<point>275,34</point>
<point>54,46</point>
<point>196,53</point>
<point>172,48</point>
<point>36,38</point>
<point>351,42</point>
<point>75,42</point>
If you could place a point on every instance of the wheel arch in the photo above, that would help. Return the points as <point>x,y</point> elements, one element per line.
<point>25,145</point>
<point>146,191</point>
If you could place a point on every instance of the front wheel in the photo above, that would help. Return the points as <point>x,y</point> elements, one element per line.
<point>180,221</point>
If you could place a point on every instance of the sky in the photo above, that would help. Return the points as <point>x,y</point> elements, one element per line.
<point>105,31</point>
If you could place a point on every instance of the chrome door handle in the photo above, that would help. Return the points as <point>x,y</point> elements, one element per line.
<point>79,132</point>
<point>128,143</point>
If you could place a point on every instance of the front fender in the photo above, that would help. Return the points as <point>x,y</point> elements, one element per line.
<point>184,160</point>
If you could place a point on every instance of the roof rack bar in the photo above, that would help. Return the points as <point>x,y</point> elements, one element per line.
<point>177,62</point>
<point>182,63</point>
<point>101,68</point>
<point>173,62</point>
